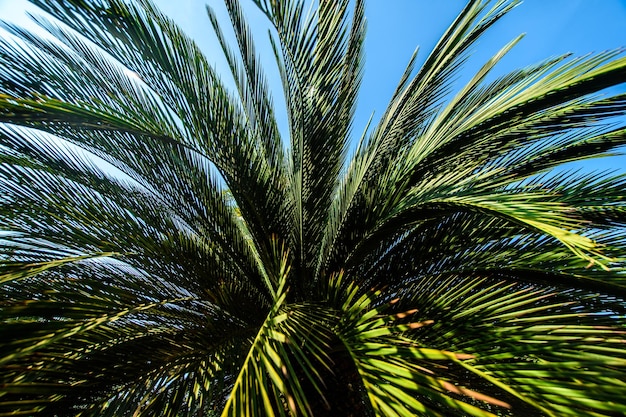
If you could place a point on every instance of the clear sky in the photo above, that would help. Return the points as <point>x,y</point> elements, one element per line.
<point>397,27</point>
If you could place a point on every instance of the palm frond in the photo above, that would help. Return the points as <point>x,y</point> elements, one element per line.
<point>166,250</point>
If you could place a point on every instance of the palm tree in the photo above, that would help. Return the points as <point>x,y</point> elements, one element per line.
<point>167,250</point>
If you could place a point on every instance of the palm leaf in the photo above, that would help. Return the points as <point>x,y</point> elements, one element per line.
<point>165,249</point>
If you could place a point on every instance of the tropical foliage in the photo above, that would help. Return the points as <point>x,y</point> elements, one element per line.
<point>168,250</point>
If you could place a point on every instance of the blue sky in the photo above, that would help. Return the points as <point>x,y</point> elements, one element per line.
<point>397,27</point>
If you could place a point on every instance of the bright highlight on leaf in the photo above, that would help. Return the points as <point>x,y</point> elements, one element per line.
<point>165,250</point>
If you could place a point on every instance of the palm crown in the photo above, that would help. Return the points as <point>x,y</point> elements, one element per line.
<point>166,251</point>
